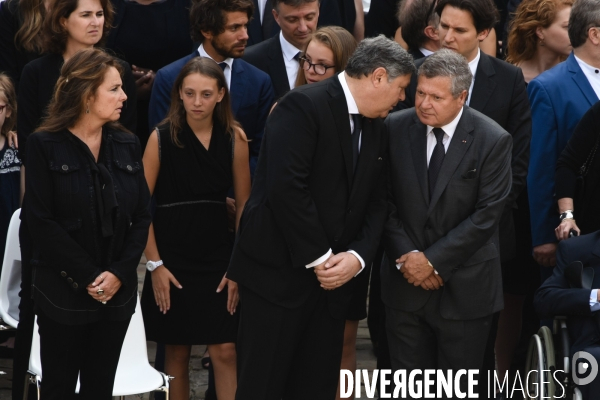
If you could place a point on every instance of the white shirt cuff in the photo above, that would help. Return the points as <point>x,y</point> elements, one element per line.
<point>320,260</point>
<point>594,305</point>
<point>400,265</point>
<point>362,262</point>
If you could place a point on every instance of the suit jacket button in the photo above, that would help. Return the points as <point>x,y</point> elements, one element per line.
<point>75,285</point>
<point>65,167</point>
<point>70,280</point>
<point>63,274</point>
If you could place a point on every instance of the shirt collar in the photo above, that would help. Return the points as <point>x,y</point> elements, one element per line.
<point>449,128</point>
<point>352,107</point>
<point>203,53</point>
<point>585,67</point>
<point>425,52</point>
<point>473,64</point>
<point>289,50</point>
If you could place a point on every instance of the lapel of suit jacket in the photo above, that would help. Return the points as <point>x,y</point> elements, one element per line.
<point>418,151</point>
<point>277,66</point>
<point>339,109</point>
<point>460,143</point>
<point>237,86</point>
<point>581,80</point>
<point>484,83</point>
<point>368,152</point>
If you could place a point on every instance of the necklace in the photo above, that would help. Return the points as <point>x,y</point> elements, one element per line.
<point>206,141</point>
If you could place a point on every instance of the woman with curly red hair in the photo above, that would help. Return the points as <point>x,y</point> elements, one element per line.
<point>538,38</point>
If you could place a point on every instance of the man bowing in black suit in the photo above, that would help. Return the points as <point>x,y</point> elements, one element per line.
<point>450,176</point>
<point>312,223</point>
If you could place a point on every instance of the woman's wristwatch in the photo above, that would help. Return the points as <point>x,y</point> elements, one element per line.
<point>568,214</point>
<point>152,265</point>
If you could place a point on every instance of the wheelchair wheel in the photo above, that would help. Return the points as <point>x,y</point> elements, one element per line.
<point>549,387</point>
<point>540,357</point>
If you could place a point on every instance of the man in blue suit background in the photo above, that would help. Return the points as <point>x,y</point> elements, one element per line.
<point>222,29</point>
<point>559,98</point>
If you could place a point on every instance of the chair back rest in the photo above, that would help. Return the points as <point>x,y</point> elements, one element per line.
<point>134,352</point>
<point>10,279</point>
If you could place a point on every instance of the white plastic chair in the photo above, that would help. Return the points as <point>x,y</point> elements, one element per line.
<point>134,374</point>
<point>10,280</point>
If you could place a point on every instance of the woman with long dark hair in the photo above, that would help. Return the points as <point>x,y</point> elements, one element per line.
<point>191,161</point>
<point>86,210</point>
<point>70,26</point>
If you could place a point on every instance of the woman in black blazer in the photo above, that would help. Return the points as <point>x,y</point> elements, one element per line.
<point>582,149</point>
<point>70,26</point>
<point>86,209</point>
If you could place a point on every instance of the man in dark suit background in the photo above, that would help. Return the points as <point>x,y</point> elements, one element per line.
<point>312,223</point>
<point>221,28</point>
<point>560,295</point>
<point>263,25</point>
<point>278,56</point>
<point>419,22</point>
<point>450,177</point>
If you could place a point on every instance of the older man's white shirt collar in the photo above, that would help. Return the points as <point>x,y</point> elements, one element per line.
<point>352,107</point>
<point>449,128</point>
<point>228,61</point>
<point>590,73</point>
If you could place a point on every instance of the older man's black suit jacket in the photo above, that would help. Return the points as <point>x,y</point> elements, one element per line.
<point>458,228</point>
<point>500,93</point>
<point>306,199</point>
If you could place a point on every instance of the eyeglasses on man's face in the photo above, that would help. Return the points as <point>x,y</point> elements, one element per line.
<point>319,69</point>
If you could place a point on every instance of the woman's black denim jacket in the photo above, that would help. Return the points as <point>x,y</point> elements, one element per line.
<point>68,249</point>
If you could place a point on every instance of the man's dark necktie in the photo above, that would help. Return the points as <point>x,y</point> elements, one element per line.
<point>223,65</point>
<point>437,158</point>
<point>357,118</point>
<point>267,21</point>
<point>297,56</point>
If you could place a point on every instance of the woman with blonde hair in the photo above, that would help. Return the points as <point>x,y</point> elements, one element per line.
<point>326,53</point>
<point>538,37</point>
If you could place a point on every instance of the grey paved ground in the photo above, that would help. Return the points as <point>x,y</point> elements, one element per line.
<point>199,376</point>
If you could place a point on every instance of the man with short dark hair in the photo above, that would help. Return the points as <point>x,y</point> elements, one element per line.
<point>450,176</point>
<point>278,56</point>
<point>419,22</point>
<point>312,223</point>
<point>559,98</point>
<point>221,28</point>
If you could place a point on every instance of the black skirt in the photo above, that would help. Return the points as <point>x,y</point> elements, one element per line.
<point>198,314</point>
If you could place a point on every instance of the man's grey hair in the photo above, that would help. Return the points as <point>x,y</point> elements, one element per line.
<point>585,14</point>
<point>448,63</point>
<point>380,52</point>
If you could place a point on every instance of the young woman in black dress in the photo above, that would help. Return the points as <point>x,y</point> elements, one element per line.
<point>191,161</point>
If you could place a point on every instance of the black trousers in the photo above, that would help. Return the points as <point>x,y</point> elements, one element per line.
<point>91,351</point>
<point>288,353</point>
<point>424,340</point>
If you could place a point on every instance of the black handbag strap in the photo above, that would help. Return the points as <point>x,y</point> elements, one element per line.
<point>585,167</point>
